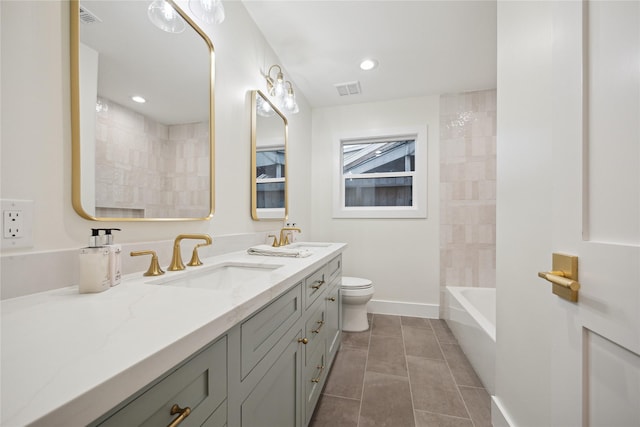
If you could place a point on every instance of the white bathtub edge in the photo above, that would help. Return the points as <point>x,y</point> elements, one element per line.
<point>473,335</point>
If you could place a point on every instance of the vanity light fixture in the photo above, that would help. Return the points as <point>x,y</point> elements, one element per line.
<point>281,91</point>
<point>162,14</point>
<point>209,11</point>
<point>138,99</point>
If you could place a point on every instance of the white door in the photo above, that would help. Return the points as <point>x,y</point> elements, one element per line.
<point>596,206</point>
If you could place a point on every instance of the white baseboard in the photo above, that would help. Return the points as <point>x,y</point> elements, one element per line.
<point>429,311</point>
<point>499,417</point>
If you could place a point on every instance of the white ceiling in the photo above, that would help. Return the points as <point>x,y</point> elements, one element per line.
<point>423,47</point>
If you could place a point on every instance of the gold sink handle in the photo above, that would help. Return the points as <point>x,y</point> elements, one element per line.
<point>154,267</point>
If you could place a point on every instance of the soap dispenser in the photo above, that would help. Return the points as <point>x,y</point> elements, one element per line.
<point>115,261</point>
<point>94,265</point>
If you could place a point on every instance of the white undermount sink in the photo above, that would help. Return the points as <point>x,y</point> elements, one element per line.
<point>218,277</point>
<point>307,245</point>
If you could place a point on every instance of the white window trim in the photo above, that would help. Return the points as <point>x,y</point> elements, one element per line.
<point>419,208</point>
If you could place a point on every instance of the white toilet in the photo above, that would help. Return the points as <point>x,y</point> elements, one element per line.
<point>356,293</point>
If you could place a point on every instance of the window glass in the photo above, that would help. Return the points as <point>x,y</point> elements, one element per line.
<point>270,164</point>
<point>393,156</point>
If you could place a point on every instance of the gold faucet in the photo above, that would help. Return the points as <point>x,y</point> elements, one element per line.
<point>176,260</point>
<point>284,236</point>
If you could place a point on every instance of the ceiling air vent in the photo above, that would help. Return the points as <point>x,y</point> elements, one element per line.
<point>349,88</point>
<point>87,17</point>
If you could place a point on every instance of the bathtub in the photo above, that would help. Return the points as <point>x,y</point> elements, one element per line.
<point>472,319</point>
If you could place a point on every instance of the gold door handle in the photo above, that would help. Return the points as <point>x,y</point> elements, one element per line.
<point>182,414</point>
<point>332,299</point>
<point>304,341</point>
<point>564,276</point>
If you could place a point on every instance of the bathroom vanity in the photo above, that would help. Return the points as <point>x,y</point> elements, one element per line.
<point>255,352</point>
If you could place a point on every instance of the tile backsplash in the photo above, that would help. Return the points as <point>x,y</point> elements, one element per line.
<point>468,189</point>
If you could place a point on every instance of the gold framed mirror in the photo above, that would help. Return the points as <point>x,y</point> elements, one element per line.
<point>151,161</point>
<point>269,134</point>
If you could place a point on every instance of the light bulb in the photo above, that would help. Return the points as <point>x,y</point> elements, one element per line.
<point>165,17</point>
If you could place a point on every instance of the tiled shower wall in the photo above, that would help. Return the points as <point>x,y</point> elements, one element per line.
<point>468,189</point>
<point>145,168</point>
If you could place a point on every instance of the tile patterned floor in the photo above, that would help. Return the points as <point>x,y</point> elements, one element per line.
<point>403,371</point>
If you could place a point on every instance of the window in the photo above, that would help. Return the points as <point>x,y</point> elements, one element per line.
<point>270,176</point>
<point>382,177</point>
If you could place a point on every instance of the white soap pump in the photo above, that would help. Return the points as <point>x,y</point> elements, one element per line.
<point>115,260</point>
<point>94,266</point>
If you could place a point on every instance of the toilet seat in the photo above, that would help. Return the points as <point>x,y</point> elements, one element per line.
<point>354,283</point>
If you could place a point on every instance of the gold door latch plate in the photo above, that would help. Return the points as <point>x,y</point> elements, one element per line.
<point>564,276</point>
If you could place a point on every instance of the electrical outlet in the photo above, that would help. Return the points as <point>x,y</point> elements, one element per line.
<point>17,224</point>
<point>12,224</point>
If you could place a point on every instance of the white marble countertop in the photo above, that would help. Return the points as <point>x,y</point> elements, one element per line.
<point>68,358</point>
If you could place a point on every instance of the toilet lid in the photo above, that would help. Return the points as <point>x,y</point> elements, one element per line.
<point>355,282</point>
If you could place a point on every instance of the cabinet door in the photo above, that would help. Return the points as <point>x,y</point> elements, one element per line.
<point>334,318</point>
<point>276,399</point>
<point>315,374</point>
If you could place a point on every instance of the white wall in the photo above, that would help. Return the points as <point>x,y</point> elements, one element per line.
<point>36,128</point>
<point>400,256</point>
<point>524,184</point>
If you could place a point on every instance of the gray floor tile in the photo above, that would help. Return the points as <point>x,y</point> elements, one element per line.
<point>386,325</point>
<point>386,402</point>
<point>433,387</point>
<point>417,322</point>
<point>461,369</point>
<point>427,419</point>
<point>443,333</point>
<point>421,342</point>
<point>478,403</point>
<point>403,370</point>
<point>347,374</point>
<point>386,355</point>
<point>335,412</point>
<point>356,339</point>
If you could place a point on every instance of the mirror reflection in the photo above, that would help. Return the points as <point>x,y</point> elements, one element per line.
<point>268,160</point>
<point>142,119</point>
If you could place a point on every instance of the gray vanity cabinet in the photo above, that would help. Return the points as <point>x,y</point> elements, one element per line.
<point>199,384</point>
<point>266,371</point>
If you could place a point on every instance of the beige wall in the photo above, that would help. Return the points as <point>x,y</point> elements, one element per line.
<point>36,128</point>
<point>400,256</point>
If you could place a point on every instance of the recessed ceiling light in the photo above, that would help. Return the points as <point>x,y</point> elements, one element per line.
<point>368,64</point>
<point>138,99</point>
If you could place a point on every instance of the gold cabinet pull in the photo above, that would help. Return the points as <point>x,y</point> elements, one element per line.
<point>182,414</point>
<point>563,277</point>
<point>332,299</point>
<point>317,330</point>
<point>304,341</point>
<point>317,379</point>
<point>319,283</point>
